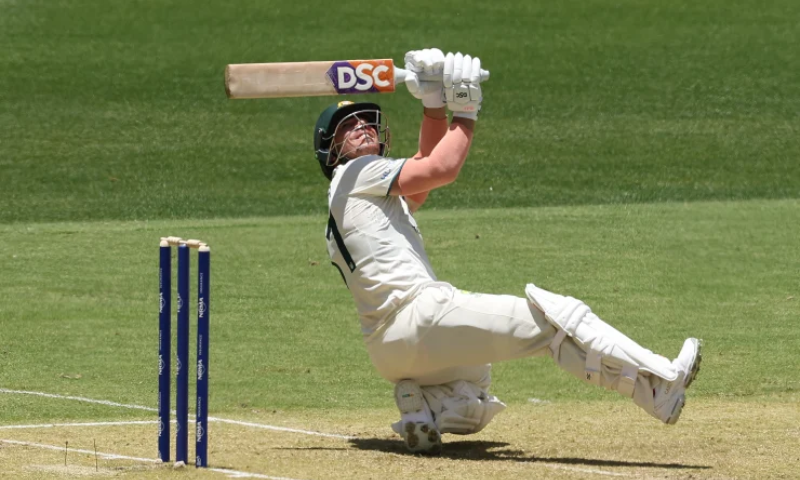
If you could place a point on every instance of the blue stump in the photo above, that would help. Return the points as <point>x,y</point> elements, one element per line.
<point>182,381</point>
<point>164,347</point>
<point>203,296</point>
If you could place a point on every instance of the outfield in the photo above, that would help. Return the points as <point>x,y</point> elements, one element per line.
<point>639,156</point>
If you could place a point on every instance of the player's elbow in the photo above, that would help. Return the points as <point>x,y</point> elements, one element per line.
<point>450,175</point>
<point>440,174</point>
<point>447,169</point>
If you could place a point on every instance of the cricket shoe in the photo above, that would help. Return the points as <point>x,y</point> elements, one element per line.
<point>416,424</point>
<point>670,397</point>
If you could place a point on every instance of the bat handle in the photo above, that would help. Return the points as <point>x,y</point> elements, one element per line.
<point>401,75</point>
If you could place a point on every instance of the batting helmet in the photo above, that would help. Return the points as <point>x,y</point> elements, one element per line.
<point>329,121</point>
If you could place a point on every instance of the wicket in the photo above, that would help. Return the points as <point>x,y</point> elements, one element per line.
<point>182,364</point>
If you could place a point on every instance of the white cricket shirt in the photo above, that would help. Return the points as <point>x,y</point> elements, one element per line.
<point>373,240</point>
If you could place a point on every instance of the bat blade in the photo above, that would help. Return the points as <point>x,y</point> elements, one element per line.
<point>309,79</point>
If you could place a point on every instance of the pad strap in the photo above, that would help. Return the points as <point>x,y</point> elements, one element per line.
<point>627,380</point>
<point>593,367</point>
<point>555,345</point>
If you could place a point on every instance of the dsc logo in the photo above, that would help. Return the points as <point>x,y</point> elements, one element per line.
<point>362,76</point>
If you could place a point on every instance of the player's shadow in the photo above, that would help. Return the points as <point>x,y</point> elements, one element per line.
<point>481,450</point>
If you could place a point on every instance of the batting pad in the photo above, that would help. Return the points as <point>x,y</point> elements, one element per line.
<point>610,359</point>
<point>460,407</point>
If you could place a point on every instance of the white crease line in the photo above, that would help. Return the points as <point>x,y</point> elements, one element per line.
<point>279,429</point>
<point>153,422</point>
<point>237,474</point>
<point>107,456</point>
<point>79,399</point>
<point>587,470</point>
<point>114,456</point>
<point>150,409</point>
<point>79,424</point>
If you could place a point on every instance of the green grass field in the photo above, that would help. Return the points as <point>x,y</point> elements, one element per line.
<point>637,155</point>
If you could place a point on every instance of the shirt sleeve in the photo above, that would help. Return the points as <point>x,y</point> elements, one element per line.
<point>373,175</point>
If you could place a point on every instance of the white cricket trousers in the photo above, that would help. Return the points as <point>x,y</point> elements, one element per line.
<point>446,334</point>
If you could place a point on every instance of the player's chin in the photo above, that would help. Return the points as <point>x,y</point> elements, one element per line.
<point>369,149</point>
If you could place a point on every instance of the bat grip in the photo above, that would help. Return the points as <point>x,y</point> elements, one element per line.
<point>401,75</point>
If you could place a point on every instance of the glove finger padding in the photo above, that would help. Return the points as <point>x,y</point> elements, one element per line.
<point>447,74</point>
<point>428,61</point>
<point>412,83</point>
<point>413,61</point>
<point>466,69</point>
<point>475,78</point>
<point>434,61</point>
<point>461,78</point>
<point>458,66</point>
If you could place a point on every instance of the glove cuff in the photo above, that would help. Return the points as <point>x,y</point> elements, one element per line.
<point>467,115</point>
<point>433,100</point>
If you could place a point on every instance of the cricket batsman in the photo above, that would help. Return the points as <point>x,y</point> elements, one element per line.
<point>436,343</point>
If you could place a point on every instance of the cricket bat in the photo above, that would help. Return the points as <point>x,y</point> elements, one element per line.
<point>311,79</point>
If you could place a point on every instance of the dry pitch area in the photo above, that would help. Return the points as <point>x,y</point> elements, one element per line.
<point>715,439</point>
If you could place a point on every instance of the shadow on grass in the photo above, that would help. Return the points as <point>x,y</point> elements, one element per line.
<point>478,450</point>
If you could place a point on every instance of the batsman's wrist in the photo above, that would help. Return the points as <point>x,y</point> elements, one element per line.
<point>467,123</point>
<point>435,113</point>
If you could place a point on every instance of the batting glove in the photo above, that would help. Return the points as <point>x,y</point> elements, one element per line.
<point>429,61</point>
<point>462,85</point>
